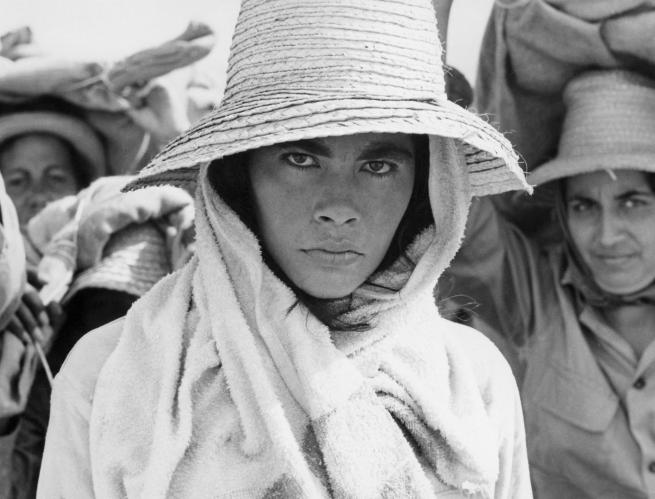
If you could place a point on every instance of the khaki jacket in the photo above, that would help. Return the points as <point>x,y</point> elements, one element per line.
<point>588,407</point>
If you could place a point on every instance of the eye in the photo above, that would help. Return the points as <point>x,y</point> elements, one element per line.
<point>16,182</point>
<point>633,202</point>
<point>580,206</point>
<point>301,160</point>
<point>379,167</point>
<point>58,178</point>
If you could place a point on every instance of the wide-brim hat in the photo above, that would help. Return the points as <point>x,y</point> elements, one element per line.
<point>609,125</point>
<point>301,70</point>
<point>69,128</point>
<point>133,260</point>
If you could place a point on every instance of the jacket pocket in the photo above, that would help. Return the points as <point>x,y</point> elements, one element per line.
<point>586,404</point>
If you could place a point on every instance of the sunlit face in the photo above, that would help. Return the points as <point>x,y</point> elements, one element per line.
<point>612,223</point>
<point>37,169</point>
<point>328,208</point>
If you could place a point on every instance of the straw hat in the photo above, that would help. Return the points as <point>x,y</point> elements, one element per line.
<point>133,260</point>
<point>302,69</point>
<point>609,124</point>
<point>73,130</point>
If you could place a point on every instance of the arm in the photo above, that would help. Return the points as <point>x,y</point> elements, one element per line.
<point>66,465</point>
<point>495,274</point>
<point>66,468</point>
<point>514,474</point>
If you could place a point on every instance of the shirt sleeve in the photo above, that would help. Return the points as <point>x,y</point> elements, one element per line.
<point>514,479</point>
<point>495,274</point>
<point>66,466</point>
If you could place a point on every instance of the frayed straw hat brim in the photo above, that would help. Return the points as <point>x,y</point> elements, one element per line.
<point>493,164</point>
<point>73,130</point>
<point>560,168</point>
<point>133,261</point>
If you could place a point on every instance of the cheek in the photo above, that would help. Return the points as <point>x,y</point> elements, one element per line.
<point>387,206</point>
<point>648,244</point>
<point>278,209</point>
<point>581,233</point>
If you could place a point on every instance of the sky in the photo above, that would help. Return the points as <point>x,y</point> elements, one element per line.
<point>111,29</point>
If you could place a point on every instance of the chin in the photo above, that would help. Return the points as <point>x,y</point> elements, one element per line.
<point>622,288</point>
<point>328,291</point>
<point>328,294</point>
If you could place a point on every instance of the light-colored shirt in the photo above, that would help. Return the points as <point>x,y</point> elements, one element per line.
<point>589,403</point>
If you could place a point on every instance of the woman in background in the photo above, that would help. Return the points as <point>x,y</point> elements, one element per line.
<point>579,314</point>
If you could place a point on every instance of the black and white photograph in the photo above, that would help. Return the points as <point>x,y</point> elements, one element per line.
<point>350,249</point>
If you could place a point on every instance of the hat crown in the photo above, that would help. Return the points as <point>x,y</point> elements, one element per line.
<point>386,49</point>
<point>609,112</point>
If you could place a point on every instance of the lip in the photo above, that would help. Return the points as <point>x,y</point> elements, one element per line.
<point>333,257</point>
<point>614,259</point>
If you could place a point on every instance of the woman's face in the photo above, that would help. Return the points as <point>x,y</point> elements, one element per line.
<point>328,208</point>
<point>611,219</point>
<point>37,169</point>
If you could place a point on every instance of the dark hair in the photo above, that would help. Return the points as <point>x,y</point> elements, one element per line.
<point>81,168</point>
<point>650,178</point>
<point>230,179</point>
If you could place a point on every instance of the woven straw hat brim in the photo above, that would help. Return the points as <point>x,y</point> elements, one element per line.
<point>133,261</point>
<point>609,124</point>
<point>493,164</point>
<point>560,168</point>
<point>74,131</point>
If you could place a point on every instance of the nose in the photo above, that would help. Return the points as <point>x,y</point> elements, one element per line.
<point>337,204</point>
<point>610,231</point>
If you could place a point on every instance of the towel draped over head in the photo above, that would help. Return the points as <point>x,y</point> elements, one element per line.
<point>222,385</point>
<point>12,258</point>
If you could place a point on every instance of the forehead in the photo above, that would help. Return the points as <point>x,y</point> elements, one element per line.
<point>602,181</point>
<point>357,142</point>
<point>36,146</point>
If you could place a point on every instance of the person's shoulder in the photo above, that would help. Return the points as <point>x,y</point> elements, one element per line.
<point>490,366</point>
<point>83,364</point>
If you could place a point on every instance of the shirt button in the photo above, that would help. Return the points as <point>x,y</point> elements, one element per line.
<point>651,467</point>
<point>639,383</point>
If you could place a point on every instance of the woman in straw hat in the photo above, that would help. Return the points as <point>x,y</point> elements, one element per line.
<point>580,315</point>
<point>47,152</point>
<point>300,353</point>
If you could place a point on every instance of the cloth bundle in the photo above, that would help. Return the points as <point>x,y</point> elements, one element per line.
<point>111,236</point>
<point>17,361</point>
<point>242,393</point>
<point>105,92</point>
<point>532,48</point>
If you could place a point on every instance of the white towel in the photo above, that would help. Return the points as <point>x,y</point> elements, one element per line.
<point>221,387</point>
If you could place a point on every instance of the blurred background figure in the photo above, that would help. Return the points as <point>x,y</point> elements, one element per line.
<point>46,155</point>
<point>90,251</point>
<point>531,50</point>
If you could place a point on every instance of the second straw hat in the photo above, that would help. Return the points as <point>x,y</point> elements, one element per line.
<point>73,130</point>
<point>301,69</point>
<point>609,124</point>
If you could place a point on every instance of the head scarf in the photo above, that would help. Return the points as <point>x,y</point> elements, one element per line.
<point>12,258</point>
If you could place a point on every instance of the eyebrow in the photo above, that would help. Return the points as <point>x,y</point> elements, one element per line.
<point>633,192</point>
<point>579,197</point>
<point>624,195</point>
<point>313,146</point>
<point>372,151</point>
<point>386,150</point>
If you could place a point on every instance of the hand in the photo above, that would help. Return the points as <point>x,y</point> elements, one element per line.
<point>157,112</point>
<point>18,363</point>
<point>35,321</point>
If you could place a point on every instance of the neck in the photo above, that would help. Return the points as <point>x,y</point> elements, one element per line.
<point>635,323</point>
